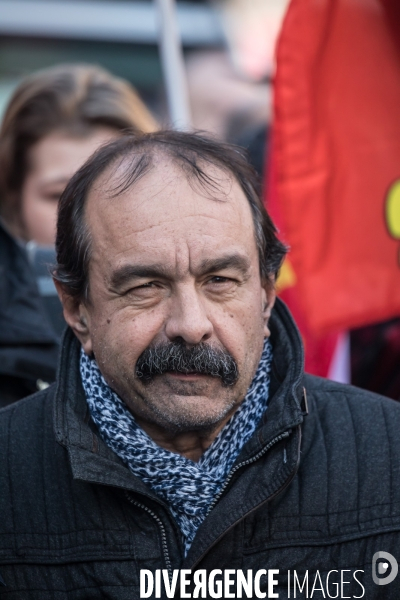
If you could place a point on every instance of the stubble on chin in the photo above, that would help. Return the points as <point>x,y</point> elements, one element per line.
<point>180,407</point>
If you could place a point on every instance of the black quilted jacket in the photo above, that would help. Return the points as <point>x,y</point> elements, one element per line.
<point>315,494</point>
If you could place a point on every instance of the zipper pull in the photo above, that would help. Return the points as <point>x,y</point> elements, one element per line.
<point>304,403</point>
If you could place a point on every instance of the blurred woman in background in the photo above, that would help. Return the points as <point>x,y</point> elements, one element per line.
<point>54,121</point>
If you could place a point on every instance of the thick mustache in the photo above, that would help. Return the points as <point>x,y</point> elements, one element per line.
<point>176,357</point>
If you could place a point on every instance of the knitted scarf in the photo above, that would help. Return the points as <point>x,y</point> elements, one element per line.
<point>187,487</point>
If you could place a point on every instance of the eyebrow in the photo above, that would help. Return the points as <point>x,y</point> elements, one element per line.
<point>128,272</point>
<point>231,261</point>
<point>125,274</point>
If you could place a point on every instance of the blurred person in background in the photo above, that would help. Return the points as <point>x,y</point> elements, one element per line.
<point>229,104</point>
<point>54,121</point>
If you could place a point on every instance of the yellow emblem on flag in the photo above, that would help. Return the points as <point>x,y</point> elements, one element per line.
<point>287,277</point>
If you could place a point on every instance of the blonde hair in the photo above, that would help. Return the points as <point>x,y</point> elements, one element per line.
<point>73,98</point>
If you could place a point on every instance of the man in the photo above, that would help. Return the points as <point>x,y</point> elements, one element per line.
<point>182,434</point>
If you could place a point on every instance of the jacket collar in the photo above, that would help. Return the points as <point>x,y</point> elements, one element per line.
<point>90,458</point>
<point>286,393</point>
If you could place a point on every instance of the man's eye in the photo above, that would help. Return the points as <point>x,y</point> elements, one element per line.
<point>140,289</point>
<point>143,287</point>
<point>218,279</point>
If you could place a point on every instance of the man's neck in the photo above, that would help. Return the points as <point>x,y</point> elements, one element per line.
<point>190,444</point>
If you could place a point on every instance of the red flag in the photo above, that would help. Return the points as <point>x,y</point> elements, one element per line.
<point>336,159</point>
<point>319,348</point>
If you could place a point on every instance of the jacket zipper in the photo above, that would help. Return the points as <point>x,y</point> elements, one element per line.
<point>249,461</point>
<point>274,441</point>
<point>246,462</point>
<point>162,529</point>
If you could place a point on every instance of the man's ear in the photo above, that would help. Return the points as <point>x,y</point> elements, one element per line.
<point>268,295</point>
<point>77,317</point>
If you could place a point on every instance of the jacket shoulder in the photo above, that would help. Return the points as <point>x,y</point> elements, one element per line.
<point>25,419</point>
<point>27,445</point>
<point>351,457</point>
<point>354,420</point>
<point>326,395</point>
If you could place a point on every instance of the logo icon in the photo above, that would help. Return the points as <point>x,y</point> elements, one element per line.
<point>381,561</point>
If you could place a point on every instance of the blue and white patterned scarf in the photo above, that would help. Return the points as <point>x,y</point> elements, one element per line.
<point>187,487</point>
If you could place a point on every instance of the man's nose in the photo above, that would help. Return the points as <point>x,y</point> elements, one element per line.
<point>188,319</point>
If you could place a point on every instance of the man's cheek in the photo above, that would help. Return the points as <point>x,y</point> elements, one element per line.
<point>124,339</point>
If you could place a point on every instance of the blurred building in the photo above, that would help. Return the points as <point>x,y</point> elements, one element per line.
<point>236,37</point>
<point>120,35</point>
